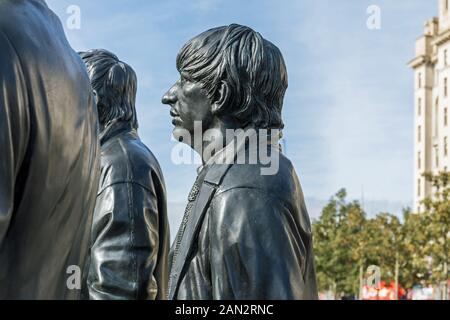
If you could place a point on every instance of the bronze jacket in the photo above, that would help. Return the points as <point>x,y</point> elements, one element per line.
<point>244,236</point>
<point>48,156</point>
<point>130,232</point>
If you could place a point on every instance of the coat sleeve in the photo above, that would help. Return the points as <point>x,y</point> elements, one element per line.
<point>256,249</point>
<point>124,251</point>
<point>14,129</point>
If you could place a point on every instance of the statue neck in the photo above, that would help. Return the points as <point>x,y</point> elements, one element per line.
<point>215,138</point>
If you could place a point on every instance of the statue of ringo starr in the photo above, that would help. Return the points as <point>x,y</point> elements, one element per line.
<point>246,233</point>
<point>130,231</point>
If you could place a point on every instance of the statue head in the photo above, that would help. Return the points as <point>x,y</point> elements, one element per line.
<point>114,84</point>
<point>229,72</point>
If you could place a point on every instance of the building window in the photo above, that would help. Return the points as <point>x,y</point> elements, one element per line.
<point>418,187</point>
<point>437,157</point>
<point>419,160</point>
<point>446,5</point>
<point>419,80</point>
<point>436,117</point>
<point>445,147</point>
<point>419,133</point>
<point>445,87</point>
<point>419,106</point>
<point>445,57</point>
<point>445,117</point>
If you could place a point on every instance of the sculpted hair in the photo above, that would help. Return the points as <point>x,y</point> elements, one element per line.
<point>115,83</point>
<point>252,67</point>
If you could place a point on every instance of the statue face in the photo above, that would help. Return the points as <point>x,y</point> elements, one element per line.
<point>189,103</point>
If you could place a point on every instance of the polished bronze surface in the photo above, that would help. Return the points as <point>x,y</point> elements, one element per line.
<point>130,230</point>
<point>48,155</point>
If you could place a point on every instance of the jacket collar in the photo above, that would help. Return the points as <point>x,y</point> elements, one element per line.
<point>114,129</point>
<point>230,152</point>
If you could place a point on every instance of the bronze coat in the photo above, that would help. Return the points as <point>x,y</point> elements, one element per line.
<point>48,155</point>
<point>248,236</point>
<point>130,231</point>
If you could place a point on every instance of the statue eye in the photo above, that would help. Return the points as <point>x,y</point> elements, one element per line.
<point>184,78</point>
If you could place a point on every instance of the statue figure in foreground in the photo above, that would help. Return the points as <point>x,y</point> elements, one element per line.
<point>246,233</point>
<point>48,156</point>
<point>130,231</point>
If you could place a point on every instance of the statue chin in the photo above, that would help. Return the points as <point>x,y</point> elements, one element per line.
<point>181,135</point>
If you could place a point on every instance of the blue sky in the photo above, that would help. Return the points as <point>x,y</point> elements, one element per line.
<point>349,107</point>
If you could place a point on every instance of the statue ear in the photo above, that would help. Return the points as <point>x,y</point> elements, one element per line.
<point>95,94</point>
<point>222,99</point>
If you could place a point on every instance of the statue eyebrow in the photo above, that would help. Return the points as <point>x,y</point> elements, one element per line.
<point>186,76</point>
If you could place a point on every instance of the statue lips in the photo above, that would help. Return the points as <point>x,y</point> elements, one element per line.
<point>176,117</point>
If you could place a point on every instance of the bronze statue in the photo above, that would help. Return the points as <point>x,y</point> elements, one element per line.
<point>48,156</point>
<point>245,234</point>
<point>130,231</point>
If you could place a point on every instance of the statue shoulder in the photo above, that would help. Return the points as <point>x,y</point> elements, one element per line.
<point>282,177</point>
<point>129,160</point>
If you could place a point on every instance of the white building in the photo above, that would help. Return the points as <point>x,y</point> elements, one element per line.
<point>431,95</point>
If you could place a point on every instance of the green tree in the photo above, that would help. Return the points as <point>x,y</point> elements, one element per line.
<point>413,264</point>
<point>436,218</point>
<point>385,243</point>
<point>324,231</point>
<point>337,245</point>
<point>346,243</point>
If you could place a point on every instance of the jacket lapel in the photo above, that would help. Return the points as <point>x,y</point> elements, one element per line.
<point>209,186</point>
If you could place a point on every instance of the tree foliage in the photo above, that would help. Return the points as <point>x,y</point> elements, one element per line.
<point>346,242</point>
<point>436,219</point>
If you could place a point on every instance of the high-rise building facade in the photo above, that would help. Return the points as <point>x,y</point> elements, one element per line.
<point>431,67</point>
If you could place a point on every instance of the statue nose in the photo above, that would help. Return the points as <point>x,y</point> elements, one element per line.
<point>169,97</point>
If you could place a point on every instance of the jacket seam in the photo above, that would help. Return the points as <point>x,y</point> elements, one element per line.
<point>261,190</point>
<point>124,182</point>
<point>131,217</point>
